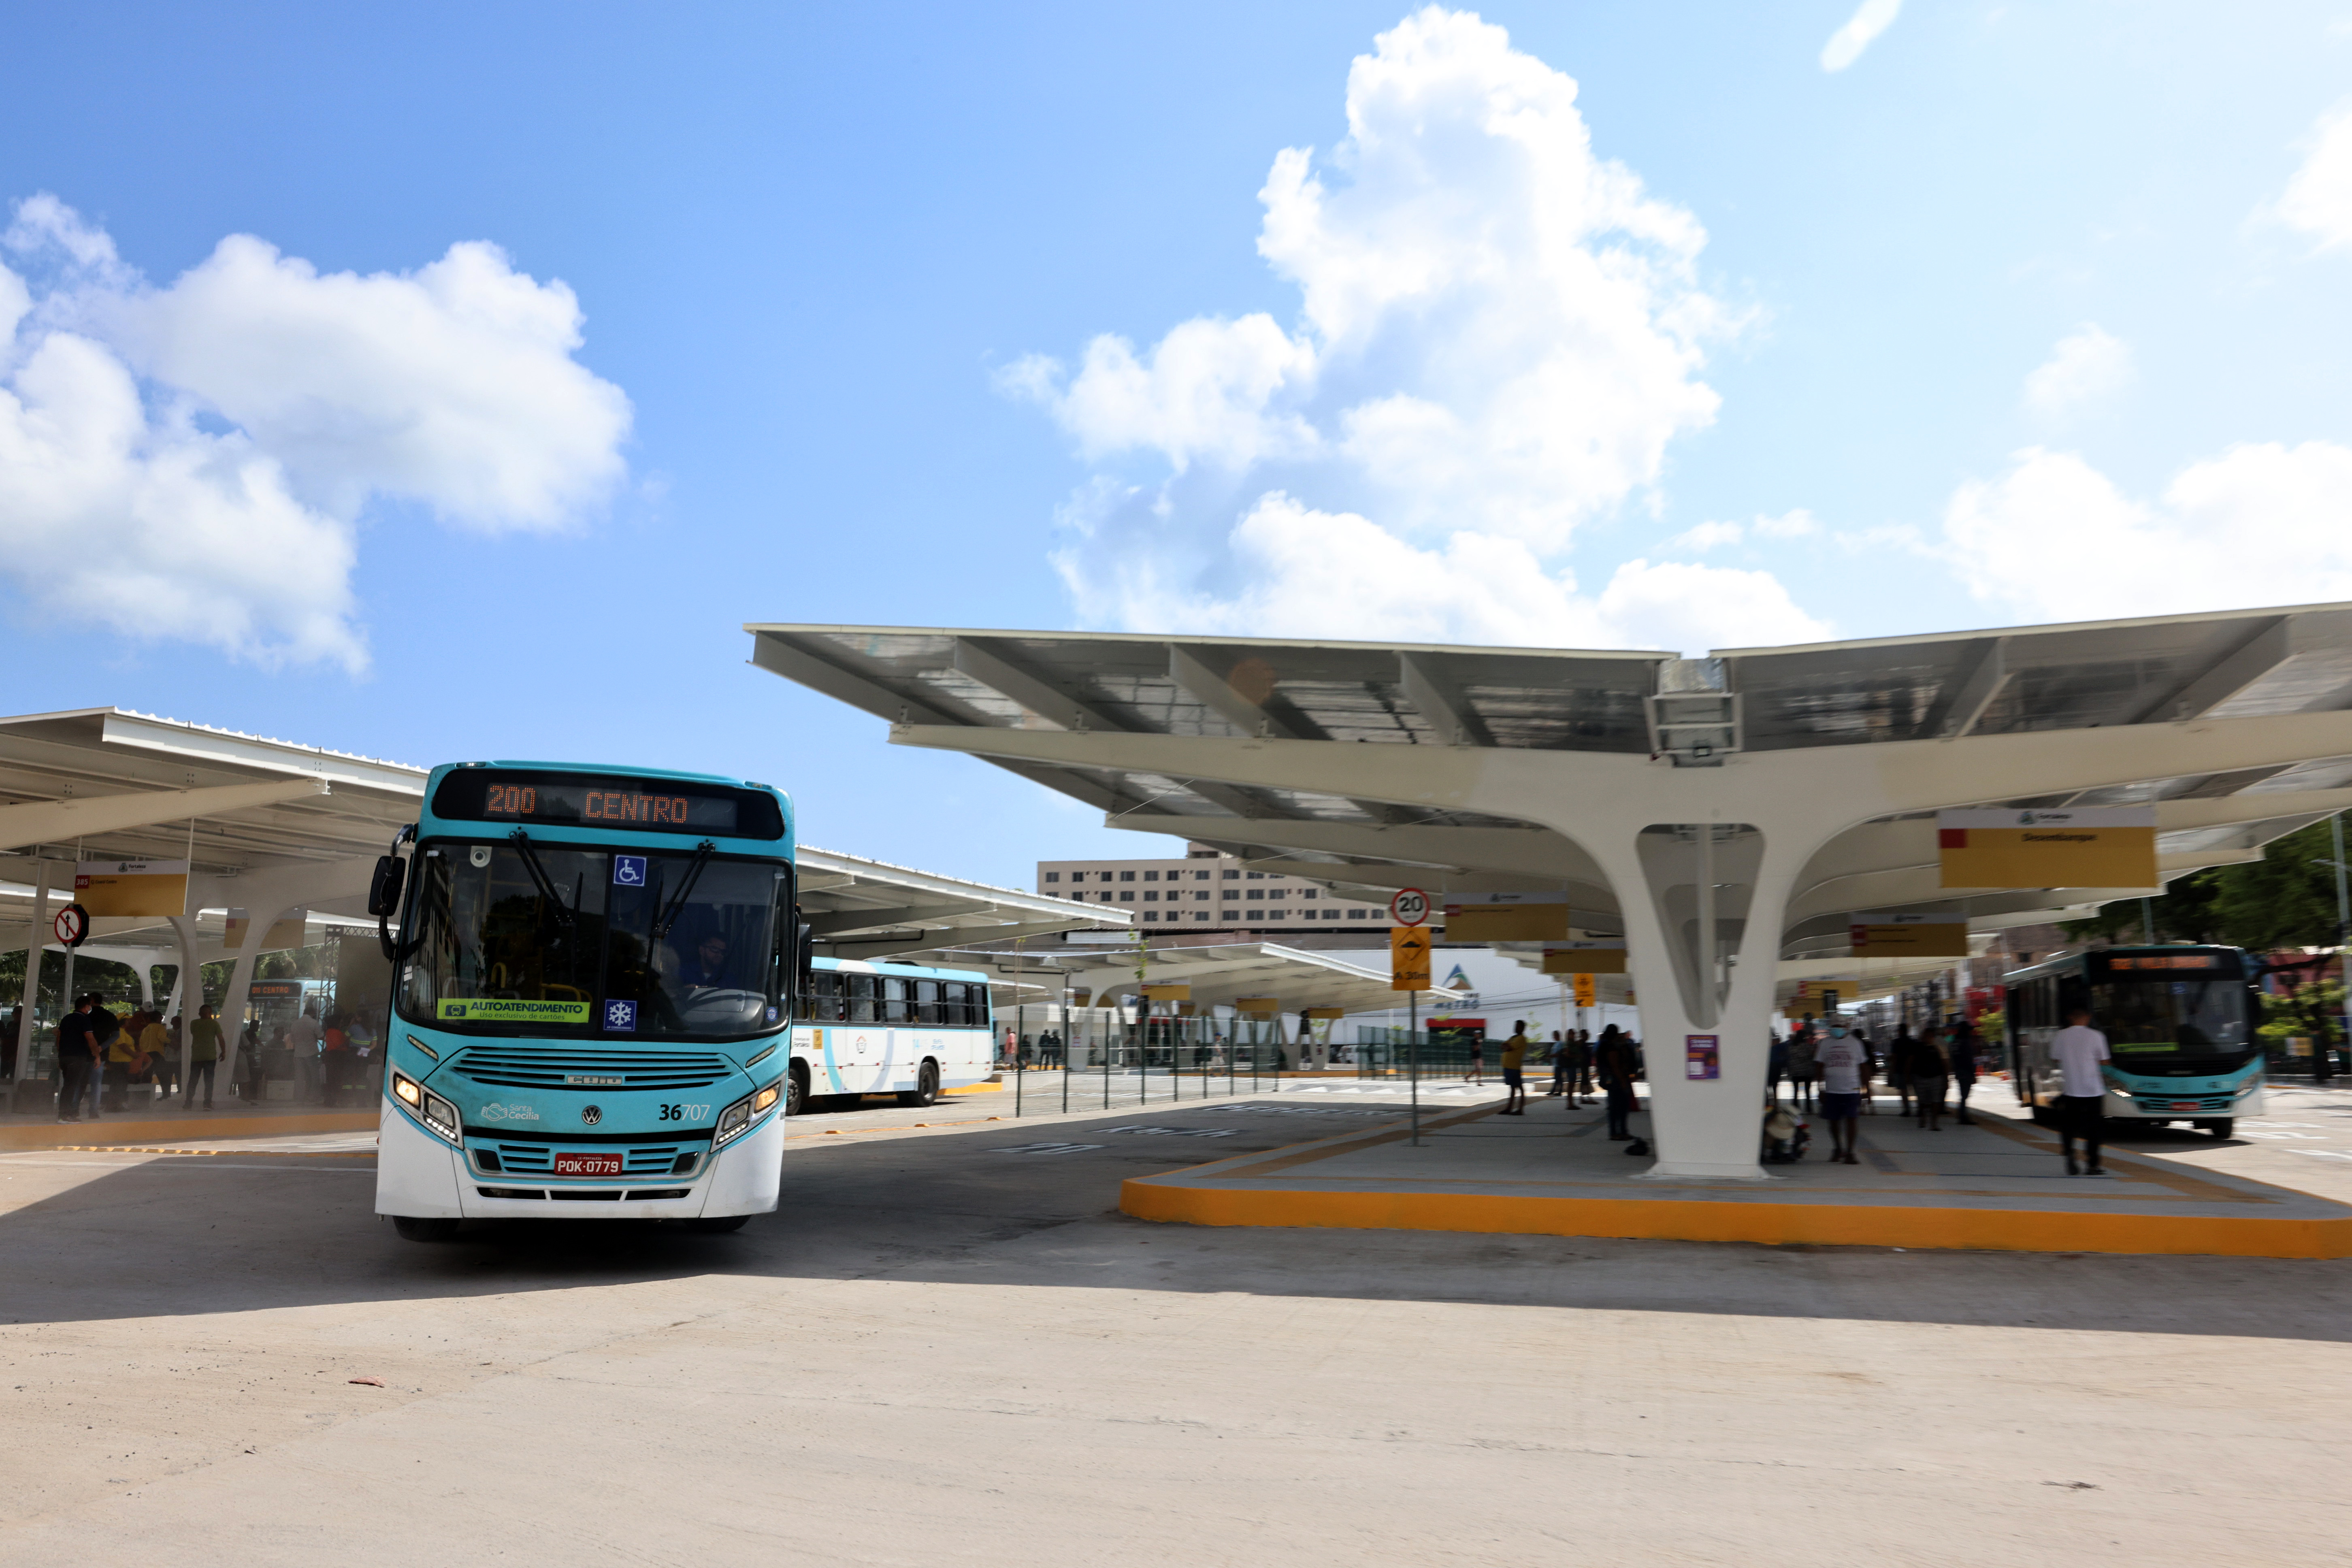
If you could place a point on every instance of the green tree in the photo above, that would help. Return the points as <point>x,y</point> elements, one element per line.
<point>2287,898</point>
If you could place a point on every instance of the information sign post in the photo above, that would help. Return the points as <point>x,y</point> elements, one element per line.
<point>1408,973</point>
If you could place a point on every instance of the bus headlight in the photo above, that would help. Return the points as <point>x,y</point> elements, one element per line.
<point>438,1115</point>
<point>736,1119</point>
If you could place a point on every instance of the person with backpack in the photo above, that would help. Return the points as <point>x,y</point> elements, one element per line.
<point>1802,1067</point>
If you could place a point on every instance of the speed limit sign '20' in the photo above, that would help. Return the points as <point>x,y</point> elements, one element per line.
<point>1410,906</point>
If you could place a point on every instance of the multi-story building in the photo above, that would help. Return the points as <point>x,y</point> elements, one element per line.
<point>1211,893</point>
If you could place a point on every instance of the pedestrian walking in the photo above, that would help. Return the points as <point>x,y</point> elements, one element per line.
<point>203,1056</point>
<point>1843,1058</point>
<point>1616,1066</point>
<point>1514,1055</point>
<point>76,1056</point>
<point>1964,1044</point>
<point>1584,1085</point>
<point>1478,1073</point>
<point>1776,1065</point>
<point>1930,1067</point>
<point>1559,1066</point>
<point>2079,1050</point>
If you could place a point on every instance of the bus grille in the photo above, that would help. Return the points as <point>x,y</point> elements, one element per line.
<point>605,1070</point>
<point>2162,1103</point>
<point>637,1159</point>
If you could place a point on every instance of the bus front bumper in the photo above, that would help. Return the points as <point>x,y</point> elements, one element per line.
<point>421,1177</point>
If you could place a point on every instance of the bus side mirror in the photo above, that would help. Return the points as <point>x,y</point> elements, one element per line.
<point>803,969</point>
<point>383,888</point>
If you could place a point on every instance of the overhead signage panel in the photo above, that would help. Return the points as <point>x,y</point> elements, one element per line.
<point>2087,847</point>
<point>1584,958</point>
<point>142,888</point>
<point>1909,936</point>
<point>1506,917</point>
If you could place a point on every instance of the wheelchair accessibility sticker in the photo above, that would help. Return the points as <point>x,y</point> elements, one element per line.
<point>628,870</point>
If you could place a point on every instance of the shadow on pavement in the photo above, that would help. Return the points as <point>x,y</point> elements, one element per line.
<point>175,1237</point>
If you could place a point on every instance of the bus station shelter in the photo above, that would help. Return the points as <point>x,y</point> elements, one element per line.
<point>269,830</point>
<point>1726,814</point>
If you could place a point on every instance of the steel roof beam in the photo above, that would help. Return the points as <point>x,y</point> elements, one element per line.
<point>1441,701</point>
<point>796,663</point>
<point>830,921</point>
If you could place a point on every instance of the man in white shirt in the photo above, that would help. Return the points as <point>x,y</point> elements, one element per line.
<point>2078,1050</point>
<point>1840,1058</point>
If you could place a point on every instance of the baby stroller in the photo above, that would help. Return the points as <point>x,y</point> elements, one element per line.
<point>1785,1137</point>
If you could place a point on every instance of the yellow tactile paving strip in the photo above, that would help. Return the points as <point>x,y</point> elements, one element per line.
<point>1236,1192</point>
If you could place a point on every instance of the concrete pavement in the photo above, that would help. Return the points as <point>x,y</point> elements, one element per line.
<point>949,1348</point>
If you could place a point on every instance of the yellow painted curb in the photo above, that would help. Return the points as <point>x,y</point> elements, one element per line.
<point>974,1089</point>
<point>1667,1219</point>
<point>113,1130</point>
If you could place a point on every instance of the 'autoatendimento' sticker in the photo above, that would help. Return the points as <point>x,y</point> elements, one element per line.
<point>509,1010</point>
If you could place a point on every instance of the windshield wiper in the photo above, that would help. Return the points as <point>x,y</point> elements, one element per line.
<point>521,842</point>
<point>702,854</point>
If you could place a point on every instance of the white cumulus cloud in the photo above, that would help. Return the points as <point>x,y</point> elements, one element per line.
<point>1870,19</point>
<point>1298,572</point>
<point>192,461</point>
<point>2085,366</point>
<point>2319,197</point>
<point>1498,336</point>
<point>2055,539</point>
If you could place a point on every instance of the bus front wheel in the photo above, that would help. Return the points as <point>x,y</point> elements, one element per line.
<point>410,1228</point>
<point>926,1087</point>
<point>796,1094</point>
<point>724,1226</point>
<point>2220,1127</point>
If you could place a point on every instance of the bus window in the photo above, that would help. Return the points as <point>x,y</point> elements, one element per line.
<point>927,1002</point>
<point>861,999</point>
<point>894,1001</point>
<point>954,1004</point>
<point>824,996</point>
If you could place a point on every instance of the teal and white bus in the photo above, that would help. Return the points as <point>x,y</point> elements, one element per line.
<point>891,1028</point>
<point>594,983</point>
<point>2180,1022</point>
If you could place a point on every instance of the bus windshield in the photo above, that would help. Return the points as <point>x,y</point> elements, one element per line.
<point>2156,1021</point>
<point>544,938</point>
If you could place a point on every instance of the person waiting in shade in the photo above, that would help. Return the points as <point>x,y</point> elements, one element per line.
<point>1618,1065</point>
<point>1930,1067</point>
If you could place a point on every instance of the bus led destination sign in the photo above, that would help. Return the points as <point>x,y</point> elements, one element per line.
<point>584,800</point>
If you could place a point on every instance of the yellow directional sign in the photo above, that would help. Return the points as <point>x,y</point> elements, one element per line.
<point>2083,847</point>
<point>1585,988</point>
<point>1409,958</point>
<point>1168,993</point>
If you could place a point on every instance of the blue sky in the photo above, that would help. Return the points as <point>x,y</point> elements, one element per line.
<point>2027,313</point>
